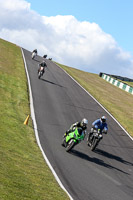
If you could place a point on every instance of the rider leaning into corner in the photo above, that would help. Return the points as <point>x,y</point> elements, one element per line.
<point>100,126</point>
<point>82,124</point>
<point>42,64</point>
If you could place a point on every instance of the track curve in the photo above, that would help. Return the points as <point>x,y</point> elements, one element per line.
<point>59,102</point>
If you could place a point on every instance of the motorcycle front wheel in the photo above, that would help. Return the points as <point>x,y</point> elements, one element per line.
<point>64,144</point>
<point>94,144</point>
<point>33,55</point>
<point>39,75</point>
<point>70,145</point>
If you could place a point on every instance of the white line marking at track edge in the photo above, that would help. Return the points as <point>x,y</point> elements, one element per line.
<point>98,103</point>
<point>36,132</point>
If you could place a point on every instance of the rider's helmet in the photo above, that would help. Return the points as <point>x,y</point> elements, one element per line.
<point>103,119</point>
<point>84,123</point>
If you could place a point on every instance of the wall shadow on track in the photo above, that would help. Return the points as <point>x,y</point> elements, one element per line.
<point>36,60</point>
<point>95,160</point>
<point>50,82</point>
<point>116,146</point>
<point>111,156</point>
<point>85,108</point>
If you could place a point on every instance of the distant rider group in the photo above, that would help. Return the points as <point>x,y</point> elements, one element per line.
<point>42,65</point>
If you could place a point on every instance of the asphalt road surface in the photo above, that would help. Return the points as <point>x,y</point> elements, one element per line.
<point>107,173</point>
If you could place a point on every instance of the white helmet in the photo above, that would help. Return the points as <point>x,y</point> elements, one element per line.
<point>84,122</point>
<point>103,119</point>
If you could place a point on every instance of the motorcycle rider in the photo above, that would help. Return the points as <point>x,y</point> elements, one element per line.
<point>82,124</point>
<point>42,64</point>
<point>34,51</point>
<point>98,125</point>
<point>45,56</point>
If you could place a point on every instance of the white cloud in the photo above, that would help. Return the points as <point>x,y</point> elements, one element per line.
<point>14,5</point>
<point>82,45</point>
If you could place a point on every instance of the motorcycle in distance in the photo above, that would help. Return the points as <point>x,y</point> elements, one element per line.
<point>33,55</point>
<point>94,139</point>
<point>73,138</point>
<point>41,72</point>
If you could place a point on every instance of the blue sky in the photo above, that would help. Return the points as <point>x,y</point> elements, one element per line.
<point>90,35</point>
<point>113,16</point>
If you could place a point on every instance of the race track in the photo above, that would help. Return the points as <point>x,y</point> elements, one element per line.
<point>107,173</point>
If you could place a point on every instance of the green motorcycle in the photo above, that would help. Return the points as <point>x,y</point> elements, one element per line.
<point>73,138</point>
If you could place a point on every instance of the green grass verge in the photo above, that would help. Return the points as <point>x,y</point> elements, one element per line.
<point>24,174</point>
<point>118,102</point>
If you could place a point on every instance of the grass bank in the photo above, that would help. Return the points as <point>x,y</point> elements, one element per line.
<point>118,102</point>
<point>24,174</point>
